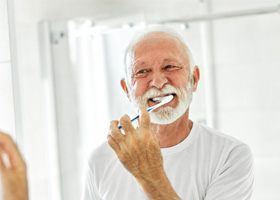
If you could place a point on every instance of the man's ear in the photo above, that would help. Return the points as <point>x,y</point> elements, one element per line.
<point>195,78</point>
<point>124,87</point>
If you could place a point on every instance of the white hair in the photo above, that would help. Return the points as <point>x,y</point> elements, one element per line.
<point>129,53</point>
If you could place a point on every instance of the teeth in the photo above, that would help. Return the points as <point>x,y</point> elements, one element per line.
<point>157,99</point>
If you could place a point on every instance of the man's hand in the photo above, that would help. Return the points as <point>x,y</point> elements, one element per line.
<point>139,151</point>
<point>12,170</point>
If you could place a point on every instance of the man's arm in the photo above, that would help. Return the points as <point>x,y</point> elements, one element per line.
<point>13,170</point>
<point>139,151</point>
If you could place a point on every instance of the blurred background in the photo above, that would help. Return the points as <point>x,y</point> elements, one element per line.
<point>61,62</point>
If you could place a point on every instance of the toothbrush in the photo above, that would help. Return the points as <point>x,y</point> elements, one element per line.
<point>161,100</point>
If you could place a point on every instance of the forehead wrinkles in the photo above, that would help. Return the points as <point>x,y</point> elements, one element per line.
<point>157,50</point>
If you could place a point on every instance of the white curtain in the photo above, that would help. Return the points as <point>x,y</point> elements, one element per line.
<point>88,58</point>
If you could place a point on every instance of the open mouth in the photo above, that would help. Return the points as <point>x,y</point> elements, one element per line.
<point>157,99</point>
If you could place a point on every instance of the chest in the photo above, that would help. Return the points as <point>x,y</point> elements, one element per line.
<point>187,178</point>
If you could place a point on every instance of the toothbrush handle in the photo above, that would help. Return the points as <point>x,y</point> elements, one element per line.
<point>135,118</point>
<point>132,120</point>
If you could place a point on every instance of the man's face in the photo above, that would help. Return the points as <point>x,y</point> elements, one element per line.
<point>161,67</point>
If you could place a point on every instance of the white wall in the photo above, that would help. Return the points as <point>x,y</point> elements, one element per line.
<point>7,120</point>
<point>227,5</point>
<point>247,54</point>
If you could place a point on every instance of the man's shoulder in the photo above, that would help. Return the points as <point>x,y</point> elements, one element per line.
<point>218,139</point>
<point>223,147</point>
<point>215,134</point>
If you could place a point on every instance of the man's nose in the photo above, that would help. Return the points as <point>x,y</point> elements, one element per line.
<point>158,80</point>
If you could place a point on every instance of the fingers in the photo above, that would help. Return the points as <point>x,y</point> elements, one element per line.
<point>115,146</point>
<point>116,139</point>
<point>127,125</point>
<point>115,132</point>
<point>5,163</point>
<point>144,118</point>
<point>9,147</point>
<point>115,136</point>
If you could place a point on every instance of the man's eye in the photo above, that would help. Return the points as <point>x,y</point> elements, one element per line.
<point>142,72</point>
<point>171,67</point>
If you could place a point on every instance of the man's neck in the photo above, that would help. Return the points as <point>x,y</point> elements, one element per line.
<point>174,133</point>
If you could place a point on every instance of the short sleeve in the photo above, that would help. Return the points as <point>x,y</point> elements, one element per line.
<point>90,190</point>
<point>234,180</point>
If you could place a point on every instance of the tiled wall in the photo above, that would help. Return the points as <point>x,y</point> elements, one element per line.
<point>247,52</point>
<point>7,122</point>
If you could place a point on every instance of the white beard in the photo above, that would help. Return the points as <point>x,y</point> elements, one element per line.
<point>167,114</point>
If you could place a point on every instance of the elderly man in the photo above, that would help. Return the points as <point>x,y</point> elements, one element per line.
<point>167,156</point>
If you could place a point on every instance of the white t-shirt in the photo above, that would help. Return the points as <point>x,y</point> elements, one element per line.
<point>207,165</point>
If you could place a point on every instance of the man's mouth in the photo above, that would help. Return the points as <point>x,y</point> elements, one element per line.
<point>155,100</point>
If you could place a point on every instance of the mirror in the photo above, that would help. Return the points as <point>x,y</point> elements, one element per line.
<point>68,59</point>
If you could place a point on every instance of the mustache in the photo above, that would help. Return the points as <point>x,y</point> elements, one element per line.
<point>154,92</point>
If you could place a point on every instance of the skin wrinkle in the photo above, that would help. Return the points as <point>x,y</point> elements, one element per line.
<point>130,57</point>
<point>149,48</point>
<point>181,57</point>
